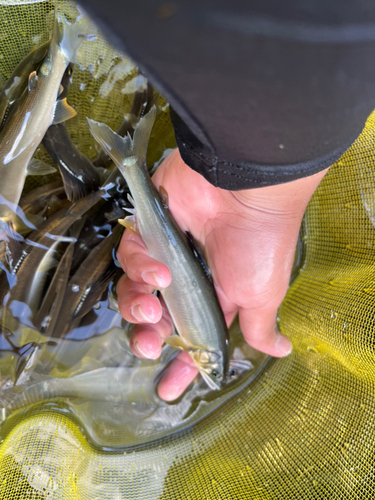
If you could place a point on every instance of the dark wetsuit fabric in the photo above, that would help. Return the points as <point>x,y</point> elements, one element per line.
<point>262,92</point>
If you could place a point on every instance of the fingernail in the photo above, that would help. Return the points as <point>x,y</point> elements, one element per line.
<point>284,345</point>
<point>140,315</point>
<point>153,279</point>
<point>140,351</point>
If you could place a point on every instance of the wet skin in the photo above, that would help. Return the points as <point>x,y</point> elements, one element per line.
<point>249,238</point>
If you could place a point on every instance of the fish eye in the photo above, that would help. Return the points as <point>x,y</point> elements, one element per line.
<point>233,372</point>
<point>215,373</point>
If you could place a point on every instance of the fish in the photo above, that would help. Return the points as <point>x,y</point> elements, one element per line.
<point>32,209</point>
<point>191,298</point>
<point>48,312</point>
<point>79,175</point>
<point>37,110</point>
<point>96,228</point>
<point>37,199</point>
<point>116,385</point>
<point>87,285</point>
<point>17,82</point>
<point>142,103</point>
<point>47,315</point>
<point>38,254</point>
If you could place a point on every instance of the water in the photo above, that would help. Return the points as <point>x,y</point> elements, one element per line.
<point>127,414</point>
<point>63,344</point>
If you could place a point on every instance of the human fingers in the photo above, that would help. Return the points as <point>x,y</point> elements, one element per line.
<point>179,374</point>
<point>259,330</point>
<point>146,341</point>
<point>136,302</point>
<point>138,265</point>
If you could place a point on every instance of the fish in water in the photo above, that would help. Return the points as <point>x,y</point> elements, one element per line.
<point>38,255</point>
<point>37,199</point>
<point>79,175</point>
<point>191,298</point>
<point>87,285</point>
<point>114,385</point>
<point>17,82</point>
<point>37,110</point>
<point>48,312</point>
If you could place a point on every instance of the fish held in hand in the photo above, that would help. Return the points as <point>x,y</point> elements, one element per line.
<point>191,298</point>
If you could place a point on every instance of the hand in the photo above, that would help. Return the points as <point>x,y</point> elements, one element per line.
<point>249,239</point>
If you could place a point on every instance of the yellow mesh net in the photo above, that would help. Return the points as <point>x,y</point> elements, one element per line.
<point>304,428</point>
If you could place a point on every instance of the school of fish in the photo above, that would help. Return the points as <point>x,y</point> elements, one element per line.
<point>58,241</point>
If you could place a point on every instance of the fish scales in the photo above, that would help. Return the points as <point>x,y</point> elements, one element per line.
<point>36,111</point>
<point>190,298</point>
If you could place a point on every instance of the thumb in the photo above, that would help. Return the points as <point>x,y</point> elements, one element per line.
<point>259,330</point>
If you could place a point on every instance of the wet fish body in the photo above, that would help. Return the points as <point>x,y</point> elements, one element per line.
<point>36,111</point>
<point>39,254</point>
<point>115,385</point>
<point>17,82</point>
<point>190,298</point>
<point>87,285</point>
<point>79,174</point>
<point>48,312</point>
<point>37,199</point>
<point>142,103</point>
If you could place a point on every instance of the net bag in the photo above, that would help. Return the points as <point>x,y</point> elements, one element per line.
<point>304,427</point>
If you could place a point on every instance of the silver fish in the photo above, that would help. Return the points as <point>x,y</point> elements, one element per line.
<point>142,103</point>
<point>38,256</point>
<point>88,284</point>
<point>37,110</point>
<point>48,312</point>
<point>191,297</point>
<point>79,174</point>
<point>37,199</point>
<point>115,385</point>
<point>17,82</point>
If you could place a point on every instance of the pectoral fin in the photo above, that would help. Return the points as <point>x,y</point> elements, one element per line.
<point>129,222</point>
<point>164,196</point>
<point>63,112</point>
<point>39,167</point>
<point>177,342</point>
<point>33,80</point>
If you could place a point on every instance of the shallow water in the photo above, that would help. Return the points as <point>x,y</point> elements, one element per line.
<point>84,366</point>
<point>127,410</point>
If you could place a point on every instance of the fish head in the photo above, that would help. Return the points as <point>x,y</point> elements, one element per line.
<point>211,366</point>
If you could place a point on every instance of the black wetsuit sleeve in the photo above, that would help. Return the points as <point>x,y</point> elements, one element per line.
<point>262,92</point>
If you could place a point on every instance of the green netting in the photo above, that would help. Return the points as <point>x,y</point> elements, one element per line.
<point>304,429</point>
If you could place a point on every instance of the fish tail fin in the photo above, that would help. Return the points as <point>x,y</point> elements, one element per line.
<point>142,134</point>
<point>123,150</point>
<point>118,148</point>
